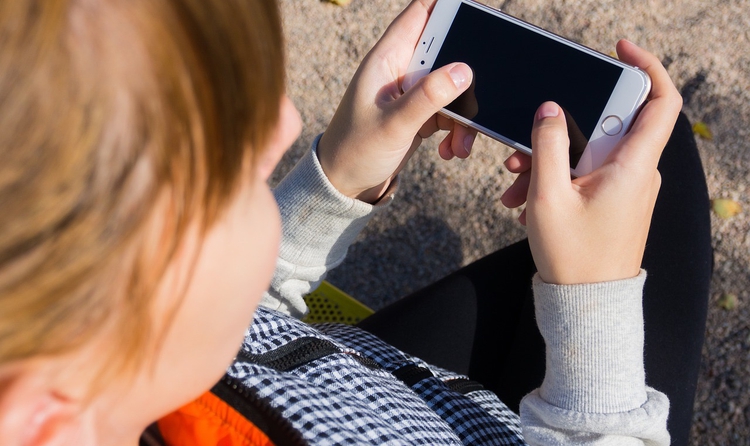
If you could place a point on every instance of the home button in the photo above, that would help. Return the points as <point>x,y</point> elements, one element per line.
<point>612,125</point>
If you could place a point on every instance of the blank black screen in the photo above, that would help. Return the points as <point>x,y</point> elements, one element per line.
<point>516,70</point>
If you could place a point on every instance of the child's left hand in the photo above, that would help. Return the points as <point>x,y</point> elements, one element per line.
<point>376,128</point>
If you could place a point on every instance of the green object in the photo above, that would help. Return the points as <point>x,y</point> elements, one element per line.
<point>728,301</point>
<point>330,304</point>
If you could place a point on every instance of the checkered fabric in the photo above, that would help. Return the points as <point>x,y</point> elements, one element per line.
<point>352,396</point>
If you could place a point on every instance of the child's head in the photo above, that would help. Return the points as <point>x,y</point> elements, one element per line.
<point>137,232</point>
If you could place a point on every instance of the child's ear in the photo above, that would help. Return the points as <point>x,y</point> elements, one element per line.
<point>33,414</point>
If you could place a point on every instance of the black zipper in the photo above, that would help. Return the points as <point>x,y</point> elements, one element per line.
<point>463,385</point>
<point>258,411</point>
<point>365,361</point>
<point>292,355</point>
<point>300,352</point>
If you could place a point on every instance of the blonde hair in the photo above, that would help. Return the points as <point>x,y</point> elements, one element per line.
<point>105,106</point>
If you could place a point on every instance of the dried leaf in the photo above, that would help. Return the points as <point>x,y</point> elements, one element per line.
<point>701,129</point>
<point>728,301</point>
<point>340,2</point>
<point>725,208</point>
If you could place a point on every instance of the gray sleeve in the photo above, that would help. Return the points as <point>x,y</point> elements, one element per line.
<point>594,390</point>
<point>318,225</point>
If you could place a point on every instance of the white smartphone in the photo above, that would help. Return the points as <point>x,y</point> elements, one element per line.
<point>518,66</point>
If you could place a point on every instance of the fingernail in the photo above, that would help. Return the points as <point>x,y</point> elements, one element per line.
<point>548,110</point>
<point>460,75</point>
<point>468,143</point>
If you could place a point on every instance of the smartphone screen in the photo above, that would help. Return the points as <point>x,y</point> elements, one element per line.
<point>516,70</point>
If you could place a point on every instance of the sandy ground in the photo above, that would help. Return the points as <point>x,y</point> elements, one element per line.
<point>448,214</point>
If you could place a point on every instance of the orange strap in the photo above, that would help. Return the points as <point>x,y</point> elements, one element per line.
<point>210,421</point>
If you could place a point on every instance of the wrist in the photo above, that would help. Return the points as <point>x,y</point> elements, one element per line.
<point>329,161</point>
<point>378,195</point>
<point>339,174</point>
<point>570,266</point>
<point>585,275</point>
<point>375,194</point>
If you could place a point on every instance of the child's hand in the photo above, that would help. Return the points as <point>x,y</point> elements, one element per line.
<point>376,128</point>
<point>594,228</point>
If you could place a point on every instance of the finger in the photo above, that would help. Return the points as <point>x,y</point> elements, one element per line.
<point>428,96</point>
<point>462,141</point>
<point>429,128</point>
<point>444,122</point>
<point>550,171</point>
<point>516,194</point>
<point>632,54</point>
<point>405,30</point>
<point>653,127</point>
<point>435,123</point>
<point>444,149</point>
<point>518,162</point>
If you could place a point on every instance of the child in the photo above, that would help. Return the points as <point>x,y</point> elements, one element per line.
<point>139,236</point>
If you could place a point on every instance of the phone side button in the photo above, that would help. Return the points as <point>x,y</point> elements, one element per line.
<point>612,125</point>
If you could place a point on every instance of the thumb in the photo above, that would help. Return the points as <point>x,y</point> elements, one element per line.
<point>550,162</point>
<point>431,93</point>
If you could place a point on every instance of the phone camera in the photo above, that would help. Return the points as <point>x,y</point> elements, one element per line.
<point>421,63</point>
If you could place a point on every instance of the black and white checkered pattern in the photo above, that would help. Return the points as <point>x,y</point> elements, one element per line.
<point>339,400</point>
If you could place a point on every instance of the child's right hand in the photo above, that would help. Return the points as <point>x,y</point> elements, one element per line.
<point>594,228</point>
<point>377,128</point>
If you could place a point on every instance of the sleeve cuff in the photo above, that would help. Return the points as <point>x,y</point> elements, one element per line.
<point>319,222</point>
<point>594,338</point>
<point>318,225</point>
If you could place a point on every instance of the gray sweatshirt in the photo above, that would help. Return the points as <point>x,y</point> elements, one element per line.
<point>594,391</point>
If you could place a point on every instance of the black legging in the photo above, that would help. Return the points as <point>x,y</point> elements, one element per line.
<point>480,320</point>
